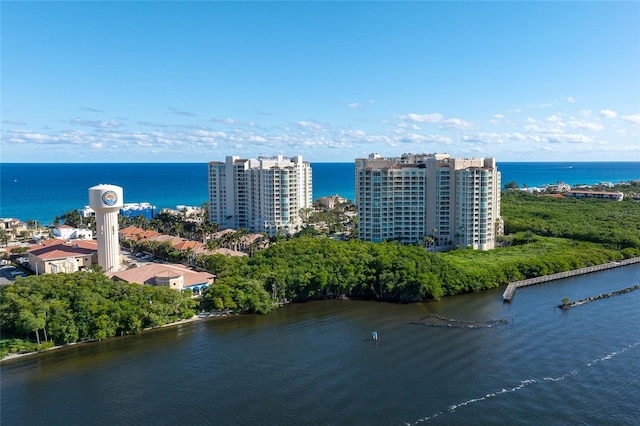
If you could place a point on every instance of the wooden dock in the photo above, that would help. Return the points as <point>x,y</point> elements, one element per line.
<point>511,288</point>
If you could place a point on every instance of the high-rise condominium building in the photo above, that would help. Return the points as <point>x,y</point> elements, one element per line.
<point>429,198</point>
<point>261,195</point>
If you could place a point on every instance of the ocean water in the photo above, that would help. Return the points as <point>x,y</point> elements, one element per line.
<point>42,191</point>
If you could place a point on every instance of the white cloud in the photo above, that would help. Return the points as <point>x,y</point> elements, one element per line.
<point>89,109</point>
<point>97,124</point>
<point>437,118</point>
<point>96,145</point>
<point>607,113</point>
<point>635,119</point>
<point>498,116</point>
<point>177,111</point>
<point>354,105</point>
<point>484,138</point>
<point>585,125</point>
<point>571,99</point>
<point>570,138</point>
<point>310,125</point>
<point>555,119</point>
<point>424,118</point>
<point>542,127</point>
<point>455,124</point>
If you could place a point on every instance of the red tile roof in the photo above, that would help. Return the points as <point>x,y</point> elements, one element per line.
<point>62,250</point>
<point>185,245</point>
<point>146,274</point>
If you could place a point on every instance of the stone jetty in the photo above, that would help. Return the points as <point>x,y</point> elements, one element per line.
<point>600,296</point>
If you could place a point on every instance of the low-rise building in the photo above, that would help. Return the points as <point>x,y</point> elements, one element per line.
<point>601,195</point>
<point>64,257</point>
<point>13,227</point>
<point>177,277</point>
<point>331,202</point>
<point>67,233</point>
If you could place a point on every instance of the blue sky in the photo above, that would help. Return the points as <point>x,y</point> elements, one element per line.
<point>331,81</point>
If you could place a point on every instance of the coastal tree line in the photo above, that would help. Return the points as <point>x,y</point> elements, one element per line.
<point>311,268</point>
<point>66,308</point>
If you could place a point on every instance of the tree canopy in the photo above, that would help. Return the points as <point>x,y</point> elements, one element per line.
<point>66,308</point>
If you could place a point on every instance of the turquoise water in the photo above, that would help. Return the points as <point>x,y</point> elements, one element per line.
<point>43,191</point>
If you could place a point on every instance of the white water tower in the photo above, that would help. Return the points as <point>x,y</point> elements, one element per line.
<point>107,200</point>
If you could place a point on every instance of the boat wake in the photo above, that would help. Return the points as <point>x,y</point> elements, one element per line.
<point>522,385</point>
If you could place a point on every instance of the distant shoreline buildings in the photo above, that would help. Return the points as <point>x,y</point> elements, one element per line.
<point>128,210</point>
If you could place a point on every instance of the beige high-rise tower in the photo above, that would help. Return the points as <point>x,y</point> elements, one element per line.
<point>431,198</point>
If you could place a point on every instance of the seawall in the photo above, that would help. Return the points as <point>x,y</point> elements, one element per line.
<point>512,287</point>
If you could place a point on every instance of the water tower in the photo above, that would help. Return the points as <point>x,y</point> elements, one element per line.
<point>106,201</point>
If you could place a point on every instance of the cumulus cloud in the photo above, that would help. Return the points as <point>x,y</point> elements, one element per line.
<point>499,119</point>
<point>354,105</point>
<point>554,119</point>
<point>584,125</point>
<point>543,127</point>
<point>571,99</point>
<point>608,113</point>
<point>424,118</point>
<point>97,124</point>
<point>177,111</point>
<point>485,138</point>
<point>151,124</point>
<point>311,125</point>
<point>437,118</point>
<point>570,138</point>
<point>543,105</point>
<point>635,119</point>
<point>233,122</point>
<point>89,109</point>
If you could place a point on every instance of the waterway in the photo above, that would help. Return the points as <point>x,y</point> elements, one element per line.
<point>315,363</point>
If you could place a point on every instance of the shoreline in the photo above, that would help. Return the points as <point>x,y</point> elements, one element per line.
<point>13,356</point>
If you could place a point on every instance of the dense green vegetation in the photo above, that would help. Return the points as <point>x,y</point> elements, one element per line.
<point>307,268</point>
<point>545,235</point>
<point>613,224</point>
<point>83,306</point>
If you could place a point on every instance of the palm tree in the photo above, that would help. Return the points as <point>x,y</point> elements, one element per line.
<point>427,240</point>
<point>211,244</point>
<point>4,237</point>
<point>188,255</point>
<point>153,247</point>
<point>178,228</point>
<point>240,235</point>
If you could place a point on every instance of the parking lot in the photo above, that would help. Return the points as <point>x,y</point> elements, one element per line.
<point>138,259</point>
<point>8,274</point>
